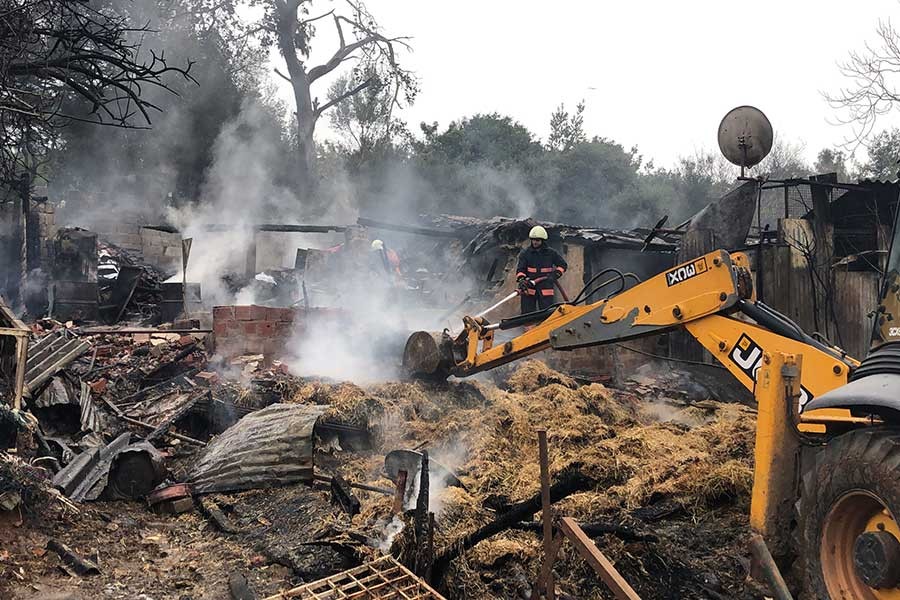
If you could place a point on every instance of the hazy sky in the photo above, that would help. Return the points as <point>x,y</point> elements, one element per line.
<point>656,73</point>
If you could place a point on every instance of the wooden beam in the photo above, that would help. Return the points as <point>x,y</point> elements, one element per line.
<point>14,331</point>
<point>278,228</point>
<point>416,229</point>
<point>21,359</point>
<point>592,555</point>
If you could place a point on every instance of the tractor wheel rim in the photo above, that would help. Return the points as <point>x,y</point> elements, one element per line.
<point>855,513</point>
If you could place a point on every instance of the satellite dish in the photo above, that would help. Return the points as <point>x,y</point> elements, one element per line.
<point>745,136</point>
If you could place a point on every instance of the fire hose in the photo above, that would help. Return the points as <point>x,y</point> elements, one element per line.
<point>514,294</point>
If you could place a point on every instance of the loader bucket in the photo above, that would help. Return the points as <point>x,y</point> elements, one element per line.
<point>428,355</point>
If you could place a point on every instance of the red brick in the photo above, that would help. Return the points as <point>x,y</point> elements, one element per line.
<point>99,386</point>
<point>223,313</point>
<point>185,340</point>
<point>208,377</point>
<point>220,327</point>
<point>287,315</point>
<point>266,328</point>
<point>258,312</point>
<point>249,327</point>
<point>243,313</point>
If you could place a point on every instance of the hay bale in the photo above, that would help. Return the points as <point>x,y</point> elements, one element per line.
<point>532,375</point>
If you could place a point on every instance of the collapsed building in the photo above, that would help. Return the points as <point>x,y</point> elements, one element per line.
<point>134,387</point>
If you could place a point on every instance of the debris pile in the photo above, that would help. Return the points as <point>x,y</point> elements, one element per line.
<point>671,491</point>
<point>129,286</point>
<point>298,479</point>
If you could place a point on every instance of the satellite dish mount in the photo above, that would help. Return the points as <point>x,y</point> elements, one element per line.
<point>745,137</point>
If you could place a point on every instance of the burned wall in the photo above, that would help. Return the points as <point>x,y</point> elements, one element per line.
<point>74,288</point>
<point>161,248</point>
<point>12,244</point>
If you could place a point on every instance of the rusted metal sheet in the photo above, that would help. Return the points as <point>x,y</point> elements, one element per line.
<point>172,492</point>
<point>273,446</point>
<point>158,410</point>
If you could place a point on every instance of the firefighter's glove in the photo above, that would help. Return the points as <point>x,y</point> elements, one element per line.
<point>523,283</point>
<point>555,275</point>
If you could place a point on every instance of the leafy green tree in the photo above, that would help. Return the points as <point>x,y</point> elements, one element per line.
<point>832,161</point>
<point>365,121</point>
<point>566,131</point>
<point>490,139</point>
<point>883,156</point>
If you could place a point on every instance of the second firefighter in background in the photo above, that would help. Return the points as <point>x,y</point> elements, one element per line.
<point>538,269</point>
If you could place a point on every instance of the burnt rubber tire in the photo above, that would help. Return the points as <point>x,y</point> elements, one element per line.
<point>857,464</point>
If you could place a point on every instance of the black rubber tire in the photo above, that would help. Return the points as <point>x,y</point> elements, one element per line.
<point>865,459</point>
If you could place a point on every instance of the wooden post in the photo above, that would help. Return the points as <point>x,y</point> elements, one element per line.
<point>592,555</point>
<point>429,548</point>
<point>549,587</point>
<point>21,359</point>
<point>765,561</point>
<point>421,519</point>
<point>547,566</point>
<point>185,255</point>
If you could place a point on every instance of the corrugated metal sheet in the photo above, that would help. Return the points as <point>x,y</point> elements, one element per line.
<point>87,476</point>
<point>273,446</point>
<point>90,417</point>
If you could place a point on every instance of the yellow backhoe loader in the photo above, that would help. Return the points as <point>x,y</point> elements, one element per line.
<point>826,488</point>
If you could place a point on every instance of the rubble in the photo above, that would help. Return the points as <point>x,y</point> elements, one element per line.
<point>200,451</point>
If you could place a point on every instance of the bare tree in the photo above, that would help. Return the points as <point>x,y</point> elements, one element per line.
<point>53,52</point>
<point>874,83</point>
<point>288,24</point>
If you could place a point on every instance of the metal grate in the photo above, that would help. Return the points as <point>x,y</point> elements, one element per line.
<point>381,579</point>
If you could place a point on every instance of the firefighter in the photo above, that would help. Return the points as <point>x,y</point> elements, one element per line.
<point>538,269</point>
<point>384,260</point>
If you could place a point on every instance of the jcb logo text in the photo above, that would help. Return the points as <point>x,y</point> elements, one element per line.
<point>685,272</point>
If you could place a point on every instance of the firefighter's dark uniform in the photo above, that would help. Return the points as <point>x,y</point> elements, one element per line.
<point>535,263</point>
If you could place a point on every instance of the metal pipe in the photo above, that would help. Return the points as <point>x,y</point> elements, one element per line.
<point>769,568</point>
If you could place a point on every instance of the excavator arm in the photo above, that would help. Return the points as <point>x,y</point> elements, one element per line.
<point>710,297</point>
